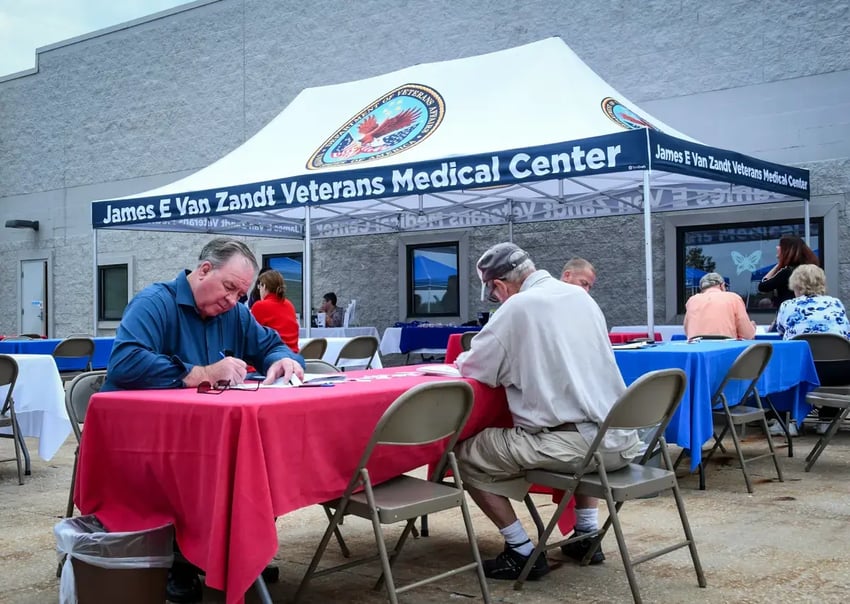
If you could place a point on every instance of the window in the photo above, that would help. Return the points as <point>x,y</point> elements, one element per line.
<point>291,266</point>
<point>113,291</point>
<point>432,280</point>
<point>742,252</point>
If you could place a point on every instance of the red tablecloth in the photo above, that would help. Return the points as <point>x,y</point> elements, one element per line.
<point>622,338</point>
<point>222,467</point>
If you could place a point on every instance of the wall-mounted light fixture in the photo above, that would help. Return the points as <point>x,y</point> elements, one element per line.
<point>22,224</point>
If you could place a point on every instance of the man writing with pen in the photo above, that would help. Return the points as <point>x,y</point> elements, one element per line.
<point>192,332</point>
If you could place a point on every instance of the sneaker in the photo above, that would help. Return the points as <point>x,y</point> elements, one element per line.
<point>509,564</point>
<point>775,428</point>
<point>577,550</point>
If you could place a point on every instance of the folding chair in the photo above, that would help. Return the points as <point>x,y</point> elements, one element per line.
<point>8,419</point>
<point>466,340</point>
<point>831,354</point>
<point>314,349</point>
<point>77,397</point>
<point>748,367</point>
<point>349,318</point>
<point>648,403</point>
<point>360,348</point>
<point>73,348</point>
<point>426,413</point>
<point>319,367</point>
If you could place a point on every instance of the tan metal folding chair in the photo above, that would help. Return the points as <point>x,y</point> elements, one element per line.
<point>747,368</point>
<point>359,348</point>
<point>77,397</point>
<point>831,354</point>
<point>8,419</point>
<point>314,349</point>
<point>320,367</point>
<point>426,413</point>
<point>74,348</point>
<point>648,403</point>
<point>466,340</point>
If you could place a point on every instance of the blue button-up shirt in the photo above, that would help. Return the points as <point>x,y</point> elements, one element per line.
<point>162,337</point>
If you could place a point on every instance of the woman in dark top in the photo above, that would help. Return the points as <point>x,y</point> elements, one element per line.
<point>790,253</point>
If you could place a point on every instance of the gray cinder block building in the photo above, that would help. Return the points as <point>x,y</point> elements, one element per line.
<point>123,110</point>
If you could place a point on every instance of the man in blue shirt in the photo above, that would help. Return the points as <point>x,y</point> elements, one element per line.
<point>180,333</point>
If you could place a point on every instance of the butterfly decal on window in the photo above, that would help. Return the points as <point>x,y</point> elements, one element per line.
<point>746,263</point>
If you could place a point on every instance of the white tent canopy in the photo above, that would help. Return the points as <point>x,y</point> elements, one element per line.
<point>521,135</point>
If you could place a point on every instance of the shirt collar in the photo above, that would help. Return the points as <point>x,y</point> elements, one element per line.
<point>185,297</point>
<point>534,278</point>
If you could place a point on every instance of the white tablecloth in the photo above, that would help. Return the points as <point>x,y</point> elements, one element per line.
<point>40,402</point>
<point>339,332</point>
<point>335,345</point>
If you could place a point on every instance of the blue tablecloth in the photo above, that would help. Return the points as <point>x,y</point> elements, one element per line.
<point>424,336</point>
<point>788,377</point>
<point>770,337</point>
<point>102,350</point>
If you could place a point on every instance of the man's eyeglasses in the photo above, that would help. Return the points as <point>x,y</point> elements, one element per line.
<point>222,385</point>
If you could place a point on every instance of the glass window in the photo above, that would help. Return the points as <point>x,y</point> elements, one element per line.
<point>743,253</point>
<point>432,280</point>
<point>113,291</point>
<point>291,266</point>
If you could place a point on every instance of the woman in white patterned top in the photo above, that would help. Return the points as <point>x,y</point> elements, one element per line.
<point>811,311</point>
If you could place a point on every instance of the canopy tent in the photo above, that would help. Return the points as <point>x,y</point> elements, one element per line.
<point>521,135</point>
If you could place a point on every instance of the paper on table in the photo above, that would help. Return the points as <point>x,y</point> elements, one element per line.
<point>445,370</point>
<point>632,346</point>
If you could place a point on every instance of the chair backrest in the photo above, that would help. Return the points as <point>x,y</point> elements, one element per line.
<point>31,336</point>
<point>831,354</point>
<point>16,338</point>
<point>359,347</point>
<point>320,367</point>
<point>314,349</point>
<point>349,318</point>
<point>424,414</point>
<point>75,348</point>
<point>466,340</point>
<point>79,393</point>
<point>711,336</point>
<point>8,377</point>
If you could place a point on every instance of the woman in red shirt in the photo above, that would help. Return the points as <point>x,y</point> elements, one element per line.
<point>274,310</point>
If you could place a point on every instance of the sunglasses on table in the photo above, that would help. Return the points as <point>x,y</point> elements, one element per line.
<point>220,386</point>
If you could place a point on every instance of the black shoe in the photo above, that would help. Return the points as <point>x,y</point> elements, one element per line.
<point>577,550</point>
<point>183,586</point>
<point>509,564</point>
<point>271,574</point>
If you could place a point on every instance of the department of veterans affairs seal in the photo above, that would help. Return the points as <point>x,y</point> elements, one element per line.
<point>624,116</point>
<point>397,121</point>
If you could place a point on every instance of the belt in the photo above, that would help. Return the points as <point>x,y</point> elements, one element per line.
<point>565,427</point>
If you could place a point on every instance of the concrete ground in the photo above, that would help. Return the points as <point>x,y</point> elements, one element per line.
<point>787,542</point>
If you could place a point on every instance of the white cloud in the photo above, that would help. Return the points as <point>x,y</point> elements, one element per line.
<point>29,24</point>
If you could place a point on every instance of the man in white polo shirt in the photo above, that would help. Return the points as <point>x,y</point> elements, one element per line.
<point>561,380</point>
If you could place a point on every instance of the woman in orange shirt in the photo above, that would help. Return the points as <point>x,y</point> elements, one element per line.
<point>274,310</point>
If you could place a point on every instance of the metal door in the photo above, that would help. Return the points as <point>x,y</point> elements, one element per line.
<point>34,296</point>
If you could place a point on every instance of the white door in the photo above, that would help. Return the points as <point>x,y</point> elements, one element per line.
<point>34,296</point>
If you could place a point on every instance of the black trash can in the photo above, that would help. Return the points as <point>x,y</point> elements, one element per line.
<point>131,568</point>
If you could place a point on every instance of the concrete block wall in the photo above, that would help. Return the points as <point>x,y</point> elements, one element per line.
<point>139,106</point>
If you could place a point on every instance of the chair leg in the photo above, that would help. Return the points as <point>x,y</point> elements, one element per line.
<point>535,515</point>
<point>16,437</point>
<point>476,554</point>
<point>346,553</point>
<point>614,518</point>
<point>741,459</point>
<point>782,423</point>
<point>393,556</point>
<point>774,455</point>
<point>382,547</point>
<point>70,510</point>
<point>686,527</point>
<point>823,441</point>
<point>317,557</point>
<point>262,591</point>
<point>540,549</point>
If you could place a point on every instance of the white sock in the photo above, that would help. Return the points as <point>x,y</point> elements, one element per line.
<point>587,520</point>
<point>517,538</point>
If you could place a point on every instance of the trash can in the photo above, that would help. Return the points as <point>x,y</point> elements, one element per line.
<point>131,568</point>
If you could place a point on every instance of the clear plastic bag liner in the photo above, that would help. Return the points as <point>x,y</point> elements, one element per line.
<point>87,540</point>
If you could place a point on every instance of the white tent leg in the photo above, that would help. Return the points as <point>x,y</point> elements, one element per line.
<point>94,283</point>
<point>306,272</point>
<point>806,225</point>
<point>647,250</point>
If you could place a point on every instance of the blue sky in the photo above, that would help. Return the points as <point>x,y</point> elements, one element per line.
<point>29,24</point>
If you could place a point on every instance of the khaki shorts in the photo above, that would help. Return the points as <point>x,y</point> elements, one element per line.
<point>496,459</point>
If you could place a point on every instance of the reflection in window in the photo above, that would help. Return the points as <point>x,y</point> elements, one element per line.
<point>291,267</point>
<point>742,253</point>
<point>432,281</point>
<point>112,292</point>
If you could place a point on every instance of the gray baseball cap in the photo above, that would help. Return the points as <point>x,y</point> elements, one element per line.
<point>496,263</point>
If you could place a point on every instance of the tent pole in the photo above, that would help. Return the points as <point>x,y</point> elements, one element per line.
<point>806,219</point>
<point>647,243</point>
<point>94,282</point>
<point>511,220</point>
<point>306,272</point>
